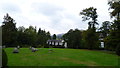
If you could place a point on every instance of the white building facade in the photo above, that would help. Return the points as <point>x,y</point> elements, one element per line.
<point>57,43</point>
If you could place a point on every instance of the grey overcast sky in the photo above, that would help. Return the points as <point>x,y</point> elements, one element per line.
<point>56,16</point>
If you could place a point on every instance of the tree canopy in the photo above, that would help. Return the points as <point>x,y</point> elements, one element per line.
<point>13,36</point>
<point>9,31</point>
<point>91,37</point>
<point>91,15</point>
<point>73,38</point>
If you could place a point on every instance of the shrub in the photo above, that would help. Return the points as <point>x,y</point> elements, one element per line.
<point>4,58</point>
<point>46,46</point>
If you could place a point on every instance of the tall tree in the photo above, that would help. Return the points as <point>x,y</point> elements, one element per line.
<point>91,15</point>
<point>105,31</point>
<point>43,36</point>
<point>48,35</point>
<point>105,28</point>
<point>73,38</point>
<point>9,31</point>
<point>113,40</point>
<point>22,36</point>
<point>54,36</point>
<point>31,37</point>
<point>91,39</point>
<point>115,5</point>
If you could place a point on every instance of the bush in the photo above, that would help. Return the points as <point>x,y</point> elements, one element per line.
<point>118,50</point>
<point>4,58</point>
<point>46,46</point>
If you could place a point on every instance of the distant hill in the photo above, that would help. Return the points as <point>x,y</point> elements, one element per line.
<point>59,36</point>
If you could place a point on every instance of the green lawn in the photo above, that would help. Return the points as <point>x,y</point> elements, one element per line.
<point>60,57</point>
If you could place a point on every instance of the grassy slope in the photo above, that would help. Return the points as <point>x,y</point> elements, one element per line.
<point>60,57</point>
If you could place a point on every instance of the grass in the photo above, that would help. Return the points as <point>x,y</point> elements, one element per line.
<point>60,57</point>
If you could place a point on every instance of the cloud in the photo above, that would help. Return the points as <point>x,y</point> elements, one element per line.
<point>10,8</point>
<point>46,8</point>
<point>56,16</point>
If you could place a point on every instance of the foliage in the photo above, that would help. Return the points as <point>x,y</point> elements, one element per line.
<point>91,39</point>
<point>4,58</point>
<point>118,49</point>
<point>73,38</point>
<point>43,36</point>
<point>31,35</point>
<point>54,36</point>
<point>113,40</point>
<point>115,5</point>
<point>22,36</point>
<point>104,31</point>
<point>9,31</point>
<point>105,28</point>
<point>90,14</point>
